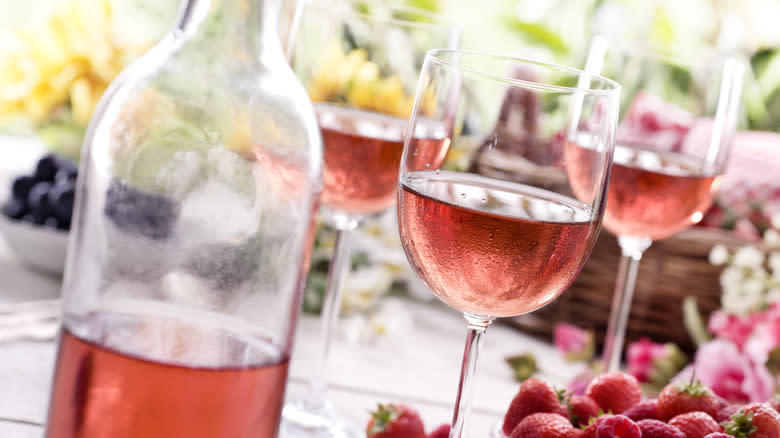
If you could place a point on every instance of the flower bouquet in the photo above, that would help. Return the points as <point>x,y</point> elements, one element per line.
<point>54,72</point>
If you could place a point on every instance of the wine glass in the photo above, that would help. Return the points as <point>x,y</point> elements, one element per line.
<point>360,67</point>
<point>678,117</point>
<point>506,234</point>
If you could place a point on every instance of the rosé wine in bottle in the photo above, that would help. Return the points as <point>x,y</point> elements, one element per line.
<point>362,154</point>
<point>101,391</point>
<point>492,248</point>
<point>656,194</point>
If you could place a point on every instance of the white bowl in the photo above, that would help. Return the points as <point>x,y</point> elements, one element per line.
<point>41,248</point>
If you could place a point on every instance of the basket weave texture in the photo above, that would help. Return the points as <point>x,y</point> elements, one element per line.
<point>669,271</point>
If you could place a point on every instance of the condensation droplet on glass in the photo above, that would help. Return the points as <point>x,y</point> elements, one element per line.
<point>463,196</point>
<point>427,166</point>
<point>415,152</point>
<point>437,171</point>
<point>484,200</point>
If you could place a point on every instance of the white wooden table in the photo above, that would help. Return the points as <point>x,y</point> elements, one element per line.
<point>421,370</point>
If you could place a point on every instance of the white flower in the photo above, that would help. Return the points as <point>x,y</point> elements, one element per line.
<point>774,264</point>
<point>719,255</point>
<point>391,321</point>
<point>748,256</point>
<point>731,278</point>
<point>759,272</point>
<point>364,286</point>
<point>752,289</point>
<point>772,238</point>
<point>773,295</point>
<point>734,302</point>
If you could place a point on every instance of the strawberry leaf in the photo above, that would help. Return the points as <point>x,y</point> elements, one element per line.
<point>694,388</point>
<point>564,396</point>
<point>383,417</point>
<point>740,425</point>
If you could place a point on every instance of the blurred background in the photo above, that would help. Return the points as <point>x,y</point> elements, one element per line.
<point>58,56</point>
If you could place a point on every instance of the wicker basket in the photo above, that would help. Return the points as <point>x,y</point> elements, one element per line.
<point>670,270</point>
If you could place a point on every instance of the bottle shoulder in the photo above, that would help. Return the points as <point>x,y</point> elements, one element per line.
<point>165,104</point>
<point>166,89</point>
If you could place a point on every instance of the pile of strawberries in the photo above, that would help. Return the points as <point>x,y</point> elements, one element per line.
<point>612,406</point>
<point>400,421</point>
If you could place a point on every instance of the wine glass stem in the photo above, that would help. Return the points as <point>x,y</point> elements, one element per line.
<point>474,335</point>
<point>632,249</point>
<point>331,304</point>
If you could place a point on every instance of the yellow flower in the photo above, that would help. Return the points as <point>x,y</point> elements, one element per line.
<point>67,63</point>
<point>351,77</point>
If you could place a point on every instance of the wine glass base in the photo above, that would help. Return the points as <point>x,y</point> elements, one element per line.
<point>300,421</point>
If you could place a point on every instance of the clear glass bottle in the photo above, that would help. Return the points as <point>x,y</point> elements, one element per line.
<point>193,224</point>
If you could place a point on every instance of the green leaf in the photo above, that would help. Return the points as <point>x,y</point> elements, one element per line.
<point>667,366</point>
<point>383,417</point>
<point>767,73</point>
<point>694,323</point>
<point>315,290</point>
<point>540,34</point>
<point>523,365</point>
<point>773,361</point>
<point>428,5</point>
<point>740,425</point>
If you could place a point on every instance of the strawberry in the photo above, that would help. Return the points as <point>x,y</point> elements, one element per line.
<point>581,409</point>
<point>755,420</point>
<point>646,410</point>
<point>535,395</point>
<point>606,424</point>
<point>542,424</point>
<point>658,429</point>
<point>695,424</point>
<point>593,426</point>
<point>395,421</point>
<point>575,433</point>
<point>617,426</point>
<point>718,435</point>
<point>615,392</point>
<point>675,399</point>
<point>442,431</point>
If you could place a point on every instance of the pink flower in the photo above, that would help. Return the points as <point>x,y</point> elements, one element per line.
<point>654,363</point>
<point>745,228</point>
<point>651,120</point>
<point>573,342</point>
<point>729,373</point>
<point>580,382</point>
<point>765,336</point>
<point>736,329</point>
<point>641,355</point>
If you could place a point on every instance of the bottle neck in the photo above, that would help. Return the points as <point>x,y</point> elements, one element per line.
<point>249,25</point>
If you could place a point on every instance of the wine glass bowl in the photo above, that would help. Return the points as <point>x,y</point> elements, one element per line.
<point>360,69</point>
<point>464,233</point>
<point>678,117</point>
<point>677,121</point>
<point>359,64</point>
<point>487,241</point>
